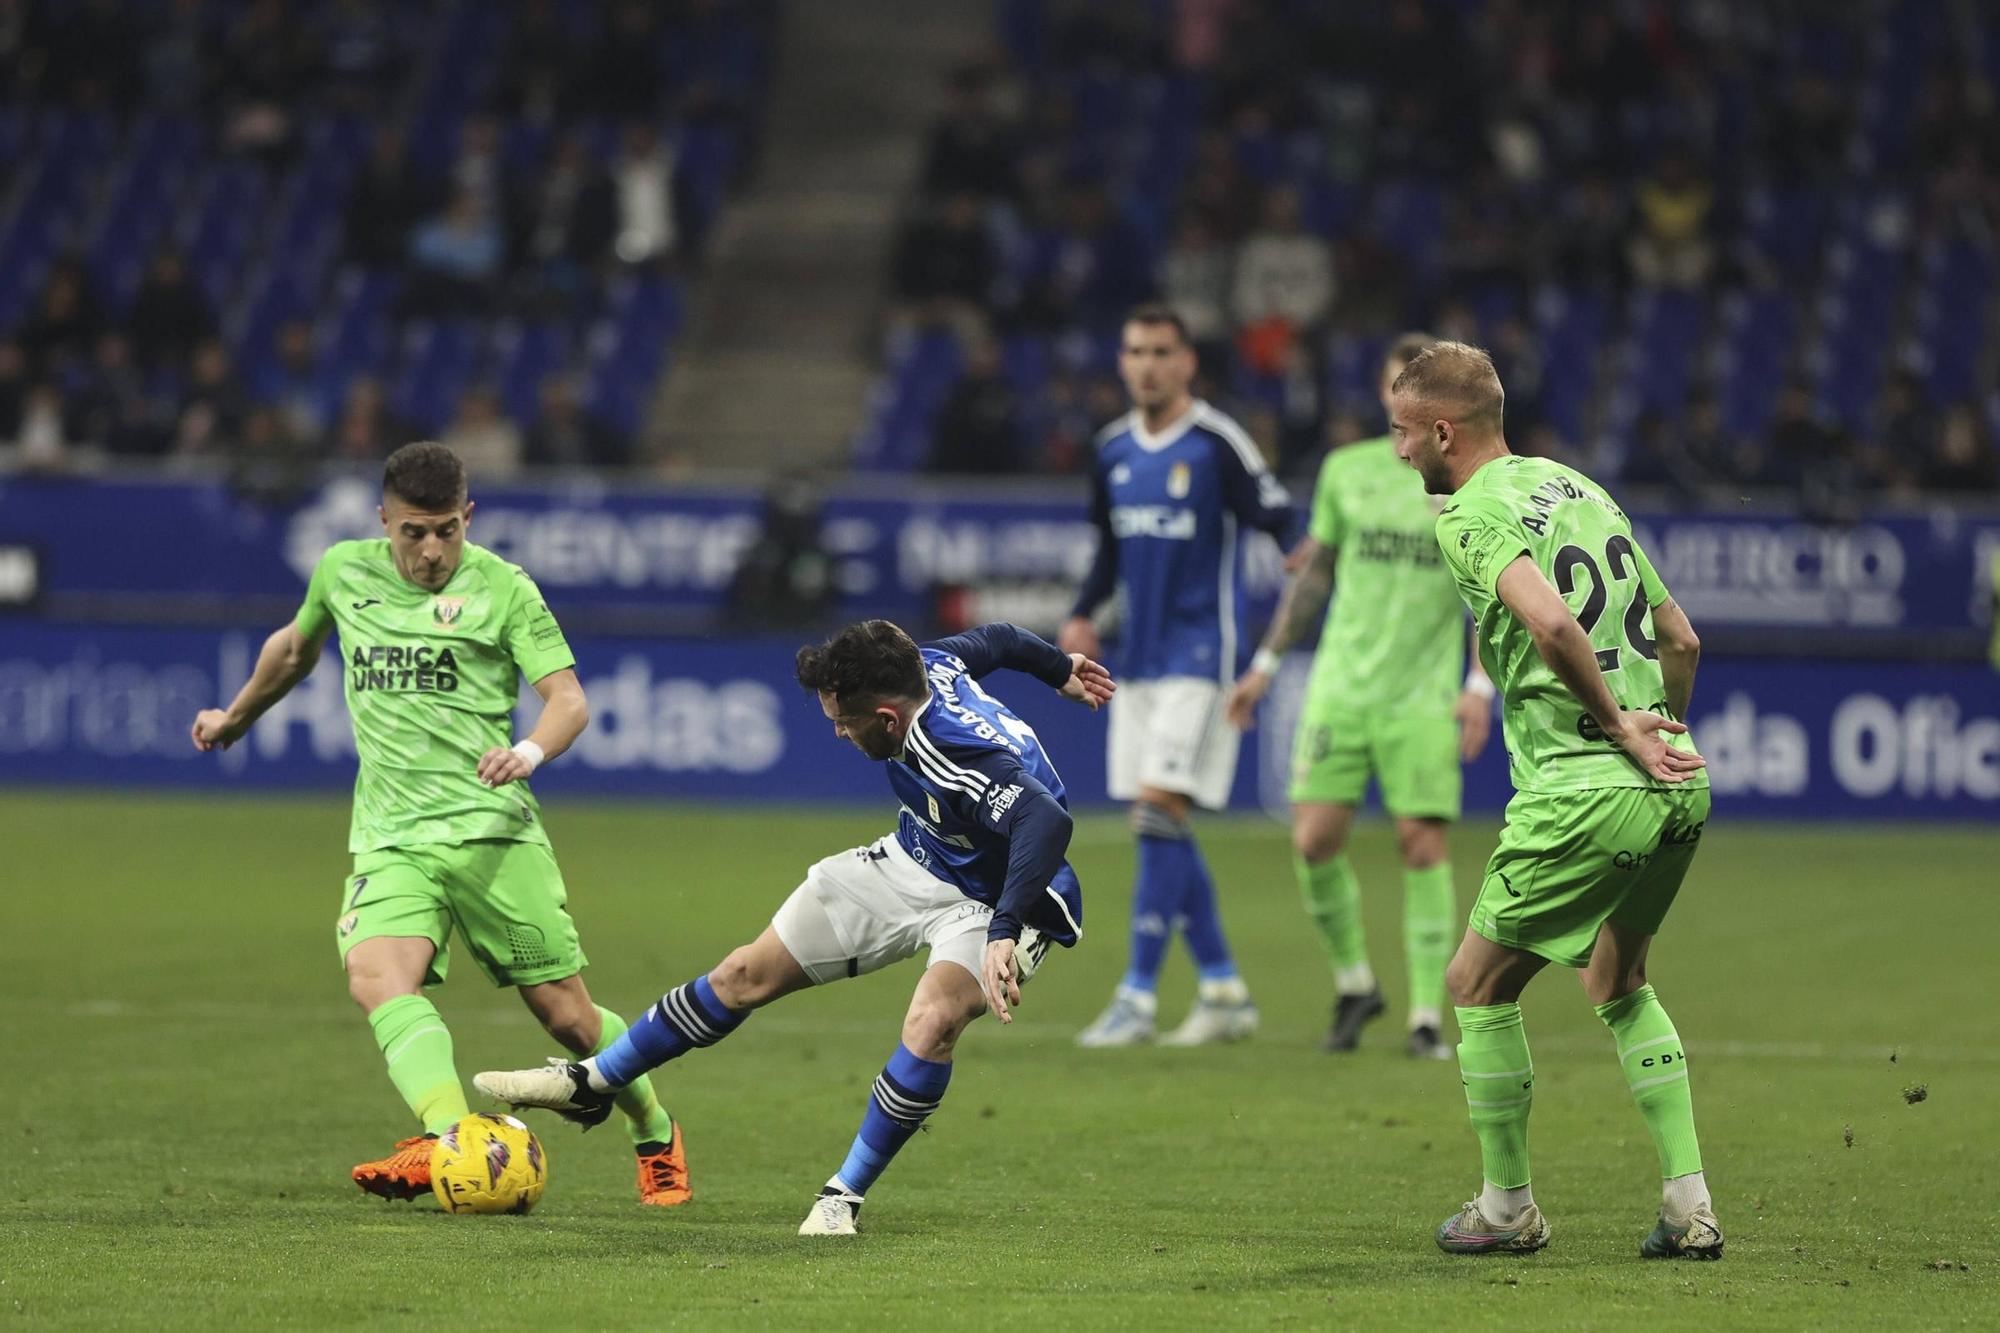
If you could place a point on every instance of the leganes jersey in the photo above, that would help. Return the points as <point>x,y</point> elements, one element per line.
<point>1570,528</point>
<point>431,681</point>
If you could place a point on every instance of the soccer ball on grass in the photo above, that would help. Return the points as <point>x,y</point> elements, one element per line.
<point>488,1163</point>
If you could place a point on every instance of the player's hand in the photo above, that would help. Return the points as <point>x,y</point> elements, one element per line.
<point>998,979</point>
<point>1641,738</point>
<point>1089,683</point>
<point>1079,635</point>
<point>500,766</point>
<point>1474,713</point>
<point>1244,696</point>
<point>213,730</point>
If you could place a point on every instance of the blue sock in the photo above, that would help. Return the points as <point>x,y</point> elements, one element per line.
<point>1201,919</point>
<point>685,1017</point>
<point>908,1089</point>
<point>1156,894</point>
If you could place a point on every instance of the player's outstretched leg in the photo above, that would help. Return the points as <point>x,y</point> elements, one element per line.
<point>905,1094</point>
<point>1499,1080</point>
<point>1656,1070</point>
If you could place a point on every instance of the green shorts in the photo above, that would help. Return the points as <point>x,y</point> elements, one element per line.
<point>1414,759</point>
<point>506,898</point>
<point>1570,861</point>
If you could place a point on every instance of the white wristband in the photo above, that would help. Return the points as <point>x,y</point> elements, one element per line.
<point>1265,662</point>
<point>1478,683</point>
<point>531,752</point>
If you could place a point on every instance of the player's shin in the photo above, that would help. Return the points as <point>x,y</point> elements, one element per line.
<point>1430,918</point>
<point>1201,918</point>
<point>1156,901</point>
<point>645,1119</point>
<point>416,1046</point>
<point>1649,1051</point>
<point>1499,1082</point>
<point>1333,899</point>
<point>908,1089</point>
<point>686,1017</point>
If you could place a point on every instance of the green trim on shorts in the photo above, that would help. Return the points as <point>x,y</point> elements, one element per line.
<point>1413,759</point>
<point>505,899</point>
<point>1570,861</point>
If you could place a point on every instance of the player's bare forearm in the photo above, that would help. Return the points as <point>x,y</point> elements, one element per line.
<point>565,713</point>
<point>1568,651</point>
<point>1680,651</point>
<point>1303,601</point>
<point>286,658</point>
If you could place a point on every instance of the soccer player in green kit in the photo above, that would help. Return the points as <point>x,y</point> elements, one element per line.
<point>1384,700</point>
<point>1595,665</point>
<point>435,634</point>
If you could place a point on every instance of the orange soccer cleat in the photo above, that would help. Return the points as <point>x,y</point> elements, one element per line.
<point>403,1174</point>
<point>663,1174</point>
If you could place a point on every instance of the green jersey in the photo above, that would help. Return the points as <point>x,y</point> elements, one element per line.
<point>432,680</point>
<point>1394,640</point>
<point>1569,527</point>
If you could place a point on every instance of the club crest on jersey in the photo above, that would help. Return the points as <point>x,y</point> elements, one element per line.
<point>446,610</point>
<point>936,814</point>
<point>1121,474</point>
<point>1178,481</point>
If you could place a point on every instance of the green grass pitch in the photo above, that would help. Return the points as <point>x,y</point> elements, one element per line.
<point>187,1086</point>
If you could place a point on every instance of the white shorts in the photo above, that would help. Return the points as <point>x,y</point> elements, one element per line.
<point>872,906</point>
<point>1172,734</point>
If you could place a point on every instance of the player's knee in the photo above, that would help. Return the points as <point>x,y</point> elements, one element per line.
<point>1422,844</point>
<point>743,980</point>
<point>371,988</point>
<point>931,1029</point>
<point>1152,818</point>
<point>1464,982</point>
<point>575,1031</point>
<point>1316,844</point>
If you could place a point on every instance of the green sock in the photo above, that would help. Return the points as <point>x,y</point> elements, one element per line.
<point>1656,1070</point>
<point>416,1046</point>
<point>1499,1088</point>
<point>1430,910</point>
<point>645,1119</point>
<point>1333,898</point>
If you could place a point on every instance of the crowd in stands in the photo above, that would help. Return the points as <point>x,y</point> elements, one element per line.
<point>275,232</point>
<point>1710,245</point>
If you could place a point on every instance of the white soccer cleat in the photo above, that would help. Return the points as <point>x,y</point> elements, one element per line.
<point>833,1214</point>
<point>1209,1022</point>
<point>560,1085</point>
<point>1127,1022</point>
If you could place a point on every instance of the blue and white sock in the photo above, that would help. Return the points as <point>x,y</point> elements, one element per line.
<point>907,1090</point>
<point>685,1017</point>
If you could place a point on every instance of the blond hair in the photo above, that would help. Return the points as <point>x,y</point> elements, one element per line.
<point>1457,378</point>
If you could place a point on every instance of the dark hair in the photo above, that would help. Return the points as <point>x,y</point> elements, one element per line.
<point>1159,312</point>
<point>864,664</point>
<point>1406,349</point>
<point>425,476</point>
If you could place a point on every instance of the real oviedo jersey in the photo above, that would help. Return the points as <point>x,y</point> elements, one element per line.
<point>967,766</point>
<point>1170,509</point>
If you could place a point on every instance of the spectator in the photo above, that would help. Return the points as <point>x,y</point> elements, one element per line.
<point>565,220</point>
<point>1671,247</point>
<point>945,259</point>
<point>476,167</point>
<point>1963,462</point>
<point>978,430</point>
<point>535,70</point>
<point>622,70</point>
<point>1284,280</point>
<point>13,387</point>
<point>358,52</point>
<point>971,148</point>
<point>264,69</point>
<point>385,205</point>
<point>365,431</point>
<point>212,406</point>
<point>1195,282</point>
<point>644,177</point>
<point>42,442</point>
<point>1588,241</point>
<point>268,461</point>
<point>114,410</point>
<point>291,383</point>
<point>65,323</point>
<point>483,437</point>
<point>169,315</point>
<point>456,256</point>
<point>564,435</point>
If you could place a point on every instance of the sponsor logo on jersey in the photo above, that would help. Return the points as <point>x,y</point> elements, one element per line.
<point>389,667</point>
<point>1000,802</point>
<point>366,603</point>
<point>348,923</point>
<point>1168,522</point>
<point>936,814</point>
<point>1179,477</point>
<point>446,610</point>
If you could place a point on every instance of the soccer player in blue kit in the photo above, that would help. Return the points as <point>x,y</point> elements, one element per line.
<point>974,872</point>
<point>1174,483</point>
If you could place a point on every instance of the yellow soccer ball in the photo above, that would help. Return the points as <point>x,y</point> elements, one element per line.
<point>488,1163</point>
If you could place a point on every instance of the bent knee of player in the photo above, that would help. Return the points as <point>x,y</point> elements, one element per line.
<point>753,975</point>
<point>1421,842</point>
<point>932,1027</point>
<point>1315,841</point>
<point>1468,983</point>
<point>372,987</point>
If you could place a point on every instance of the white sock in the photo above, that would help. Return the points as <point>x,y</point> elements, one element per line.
<point>840,1186</point>
<point>597,1081</point>
<point>1427,1018</point>
<point>1224,990</point>
<point>1145,1001</point>
<point>1356,980</point>
<point>1503,1207</point>
<point>1684,1196</point>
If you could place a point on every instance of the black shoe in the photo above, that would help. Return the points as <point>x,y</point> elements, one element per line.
<point>1350,1014</point>
<point>1424,1044</point>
